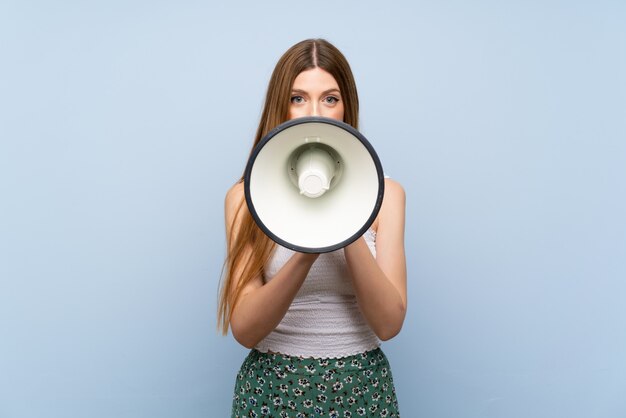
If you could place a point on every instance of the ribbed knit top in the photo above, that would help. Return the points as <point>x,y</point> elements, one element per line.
<point>324,319</point>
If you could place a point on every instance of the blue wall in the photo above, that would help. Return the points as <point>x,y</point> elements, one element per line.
<point>122,125</point>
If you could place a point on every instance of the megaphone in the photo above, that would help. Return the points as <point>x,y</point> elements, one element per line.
<point>314,184</point>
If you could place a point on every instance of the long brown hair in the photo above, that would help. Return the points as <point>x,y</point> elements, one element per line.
<point>248,248</point>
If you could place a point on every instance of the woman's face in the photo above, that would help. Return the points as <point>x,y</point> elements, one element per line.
<point>316,93</point>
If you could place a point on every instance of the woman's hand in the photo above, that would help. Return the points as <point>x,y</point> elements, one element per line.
<point>262,306</point>
<point>380,283</point>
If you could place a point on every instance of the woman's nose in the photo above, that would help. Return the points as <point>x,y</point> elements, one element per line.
<point>314,110</point>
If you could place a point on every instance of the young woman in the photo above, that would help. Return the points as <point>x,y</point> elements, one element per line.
<point>314,322</point>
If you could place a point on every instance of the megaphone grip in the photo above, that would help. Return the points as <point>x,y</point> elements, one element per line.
<point>315,169</point>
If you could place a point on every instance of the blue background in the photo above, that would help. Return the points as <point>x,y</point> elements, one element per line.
<point>123,123</point>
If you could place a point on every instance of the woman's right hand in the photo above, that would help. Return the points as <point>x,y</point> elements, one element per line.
<point>262,306</point>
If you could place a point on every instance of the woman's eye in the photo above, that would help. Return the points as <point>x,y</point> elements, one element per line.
<point>331,99</point>
<point>297,99</point>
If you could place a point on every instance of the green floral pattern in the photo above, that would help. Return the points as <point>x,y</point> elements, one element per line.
<point>274,385</point>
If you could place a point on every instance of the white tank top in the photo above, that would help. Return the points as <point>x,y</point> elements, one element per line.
<point>324,319</point>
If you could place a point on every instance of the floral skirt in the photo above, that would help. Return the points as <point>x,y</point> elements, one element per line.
<point>275,385</point>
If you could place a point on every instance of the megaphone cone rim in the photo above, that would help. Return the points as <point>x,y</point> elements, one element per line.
<point>314,119</point>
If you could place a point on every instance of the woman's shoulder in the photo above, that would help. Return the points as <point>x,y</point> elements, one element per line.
<point>393,191</point>
<point>393,201</point>
<point>235,193</point>
<point>233,200</point>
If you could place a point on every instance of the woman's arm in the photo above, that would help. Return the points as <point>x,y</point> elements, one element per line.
<point>380,283</point>
<point>261,306</point>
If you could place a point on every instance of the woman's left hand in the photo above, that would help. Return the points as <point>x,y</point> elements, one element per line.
<point>380,282</point>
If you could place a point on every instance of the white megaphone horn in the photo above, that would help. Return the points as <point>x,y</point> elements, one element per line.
<point>314,184</point>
